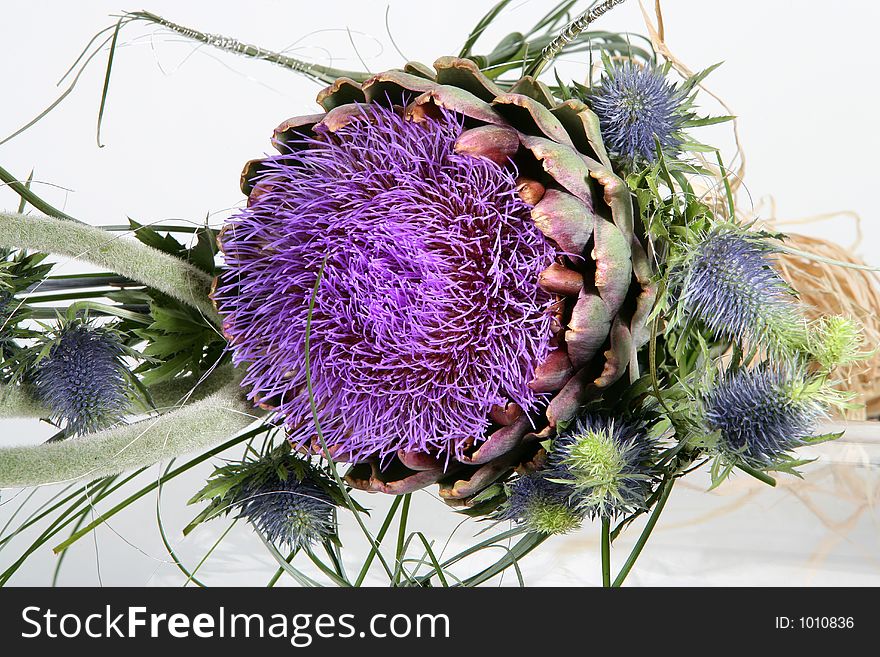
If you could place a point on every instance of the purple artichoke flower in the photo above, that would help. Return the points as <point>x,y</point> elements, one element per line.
<point>473,267</point>
<point>426,315</point>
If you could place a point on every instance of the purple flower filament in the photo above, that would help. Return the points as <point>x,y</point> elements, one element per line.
<point>428,311</point>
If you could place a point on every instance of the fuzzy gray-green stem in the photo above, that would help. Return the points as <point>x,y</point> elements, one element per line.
<point>193,427</point>
<point>18,400</point>
<point>125,257</point>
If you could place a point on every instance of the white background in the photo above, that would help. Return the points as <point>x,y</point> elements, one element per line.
<point>181,120</point>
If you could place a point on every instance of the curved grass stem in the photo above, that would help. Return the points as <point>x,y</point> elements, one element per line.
<point>646,533</point>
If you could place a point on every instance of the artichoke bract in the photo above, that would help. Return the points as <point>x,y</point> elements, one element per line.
<point>465,266</point>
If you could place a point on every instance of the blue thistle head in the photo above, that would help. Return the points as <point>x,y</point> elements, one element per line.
<point>607,463</point>
<point>761,414</point>
<point>638,107</point>
<point>292,512</point>
<point>82,378</point>
<point>727,280</point>
<point>541,505</point>
<point>286,498</point>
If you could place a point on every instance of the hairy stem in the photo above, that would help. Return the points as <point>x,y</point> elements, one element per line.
<point>228,44</point>
<point>125,257</point>
<point>194,427</point>
<point>21,400</point>
<point>569,34</point>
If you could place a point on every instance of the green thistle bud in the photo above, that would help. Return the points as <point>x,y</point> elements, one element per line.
<point>596,462</point>
<point>606,463</point>
<point>541,504</point>
<point>837,341</point>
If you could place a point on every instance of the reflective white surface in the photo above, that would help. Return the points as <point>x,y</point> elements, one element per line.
<point>819,531</point>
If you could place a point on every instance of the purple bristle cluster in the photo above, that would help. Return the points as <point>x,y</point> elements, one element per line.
<point>428,312</point>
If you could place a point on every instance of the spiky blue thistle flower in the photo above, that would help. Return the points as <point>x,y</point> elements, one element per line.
<point>607,463</point>
<point>761,414</point>
<point>638,107</point>
<point>292,512</point>
<point>285,497</point>
<point>541,505</point>
<point>82,378</point>
<point>726,279</point>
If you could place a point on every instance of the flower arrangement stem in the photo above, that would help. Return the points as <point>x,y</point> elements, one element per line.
<point>329,572</point>
<point>571,31</point>
<point>191,576</point>
<point>646,533</point>
<point>525,545</point>
<point>228,44</point>
<point>280,571</point>
<point>27,196</point>
<point>128,258</point>
<point>757,474</point>
<point>127,447</point>
<point>606,552</point>
<point>335,555</point>
<point>401,538</point>
<point>379,537</point>
<point>153,485</point>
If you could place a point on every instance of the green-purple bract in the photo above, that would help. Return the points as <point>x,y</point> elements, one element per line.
<point>607,463</point>
<point>541,504</point>
<point>82,379</point>
<point>428,311</point>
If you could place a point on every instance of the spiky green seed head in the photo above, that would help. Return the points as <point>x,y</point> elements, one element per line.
<point>837,341</point>
<point>548,517</point>
<point>606,463</point>
<point>595,460</point>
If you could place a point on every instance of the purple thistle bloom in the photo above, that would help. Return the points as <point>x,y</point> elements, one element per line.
<point>729,283</point>
<point>428,313</point>
<point>82,379</point>
<point>762,413</point>
<point>291,512</point>
<point>635,105</point>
